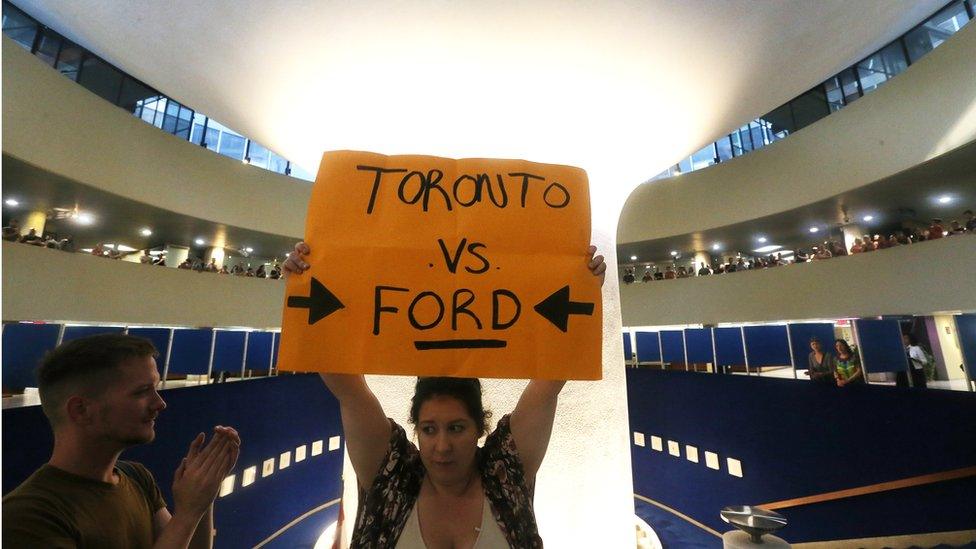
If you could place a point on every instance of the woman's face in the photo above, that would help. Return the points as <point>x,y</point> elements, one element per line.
<point>839,347</point>
<point>448,439</point>
<point>816,346</point>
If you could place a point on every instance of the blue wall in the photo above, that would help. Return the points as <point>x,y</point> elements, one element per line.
<point>800,439</point>
<point>273,415</point>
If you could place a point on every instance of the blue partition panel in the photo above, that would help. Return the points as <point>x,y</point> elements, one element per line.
<point>673,346</point>
<point>728,347</point>
<point>767,345</point>
<point>191,351</point>
<point>699,344</point>
<point>258,351</point>
<point>76,332</point>
<point>882,349</point>
<point>24,346</point>
<point>648,347</point>
<point>966,330</point>
<point>786,451</point>
<point>274,416</point>
<point>800,335</point>
<point>628,349</point>
<point>160,340</point>
<point>229,352</point>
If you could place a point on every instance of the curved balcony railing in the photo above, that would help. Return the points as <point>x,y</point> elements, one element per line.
<point>146,103</point>
<point>835,93</point>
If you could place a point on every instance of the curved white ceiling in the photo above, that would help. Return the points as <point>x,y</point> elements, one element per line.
<point>621,89</point>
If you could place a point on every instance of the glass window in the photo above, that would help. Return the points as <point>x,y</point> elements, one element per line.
<point>69,61</point>
<point>297,171</point>
<point>704,157</point>
<point>878,68</point>
<point>724,149</point>
<point>196,133</point>
<point>100,78</point>
<point>936,30</point>
<point>19,26</point>
<point>48,46</point>
<point>134,93</point>
<point>849,85</point>
<point>277,163</point>
<point>685,165</point>
<point>231,145</point>
<point>835,93</point>
<point>745,139</point>
<point>809,107</point>
<point>781,121</point>
<point>736,143</point>
<point>756,132</point>
<point>258,155</point>
<point>151,110</point>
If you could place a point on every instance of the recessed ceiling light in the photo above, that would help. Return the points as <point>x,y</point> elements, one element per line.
<point>11,202</point>
<point>814,229</point>
<point>145,231</point>
<point>716,246</point>
<point>762,239</point>
<point>633,258</point>
<point>200,242</point>
<point>248,250</point>
<point>945,199</point>
<point>673,252</point>
<point>868,217</point>
<point>84,218</point>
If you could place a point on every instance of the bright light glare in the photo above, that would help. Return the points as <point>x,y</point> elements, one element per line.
<point>248,250</point>
<point>814,229</point>
<point>673,252</point>
<point>124,248</point>
<point>200,242</point>
<point>633,258</point>
<point>762,239</point>
<point>327,539</point>
<point>767,249</point>
<point>84,218</point>
<point>868,217</point>
<point>145,231</point>
<point>716,247</point>
<point>945,199</point>
<point>11,202</point>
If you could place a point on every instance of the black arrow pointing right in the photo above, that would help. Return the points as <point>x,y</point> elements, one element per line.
<point>320,302</point>
<point>557,307</point>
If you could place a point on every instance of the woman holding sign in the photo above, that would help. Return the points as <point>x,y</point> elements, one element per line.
<point>448,492</point>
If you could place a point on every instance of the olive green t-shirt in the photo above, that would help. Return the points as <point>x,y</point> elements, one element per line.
<point>54,508</point>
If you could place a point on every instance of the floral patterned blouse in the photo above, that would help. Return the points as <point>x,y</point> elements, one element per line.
<point>385,507</point>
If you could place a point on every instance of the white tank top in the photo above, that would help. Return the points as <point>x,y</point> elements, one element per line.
<point>490,536</point>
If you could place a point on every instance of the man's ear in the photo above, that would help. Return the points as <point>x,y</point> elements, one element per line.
<point>78,410</point>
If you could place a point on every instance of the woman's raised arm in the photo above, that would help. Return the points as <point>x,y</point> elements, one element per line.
<point>364,423</point>
<point>531,422</point>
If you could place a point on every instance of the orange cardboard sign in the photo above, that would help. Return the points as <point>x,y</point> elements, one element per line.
<point>438,267</point>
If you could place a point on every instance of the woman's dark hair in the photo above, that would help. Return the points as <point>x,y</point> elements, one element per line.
<point>467,390</point>
<point>814,339</point>
<point>912,340</point>
<point>847,347</point>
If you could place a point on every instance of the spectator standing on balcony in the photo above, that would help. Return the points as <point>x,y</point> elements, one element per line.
<point>648,276</point>
<point>261,273</point>
<point>223,270</point>
<point>212,266</point>
<point>970,221</point>
<point>801,256</point>
<point>275,273</point>
<point>955,228</point>
<point>669,273</point>
<point>740,265</point>
<point>917,359</point>
<point>12,231</point>
<point>821,253</point>
<point>836,248</point>
<point>867,243</point>
<point>821,364</point>
<point>704,270</point>
<point>67,244</point>
<point>935,229</point>
<point>186,265</point>
<point>145,258</point>
<point>857,247</point>
<point>847,370</point>
<point>893,241</point>
<point>879,242</point>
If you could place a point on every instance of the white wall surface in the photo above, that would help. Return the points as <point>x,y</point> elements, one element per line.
<point>886,282</point>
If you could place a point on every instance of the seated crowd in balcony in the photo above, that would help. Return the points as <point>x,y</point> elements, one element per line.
<point>828,249</point>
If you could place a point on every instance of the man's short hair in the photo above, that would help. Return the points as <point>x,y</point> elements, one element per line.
<point>85,364</point>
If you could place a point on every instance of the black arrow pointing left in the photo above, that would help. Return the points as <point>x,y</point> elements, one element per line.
<point>320,302</point>
<point>557,307</point>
